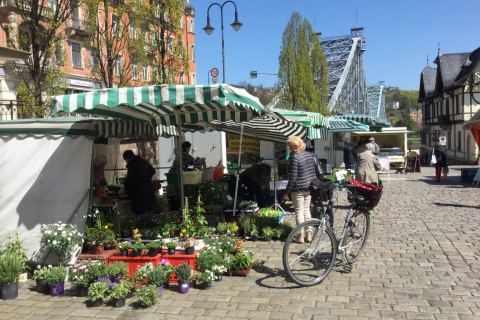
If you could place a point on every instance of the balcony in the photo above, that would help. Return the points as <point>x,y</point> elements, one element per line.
<point>76,27</point>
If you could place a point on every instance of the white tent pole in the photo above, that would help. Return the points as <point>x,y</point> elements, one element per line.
<point>238,170</point>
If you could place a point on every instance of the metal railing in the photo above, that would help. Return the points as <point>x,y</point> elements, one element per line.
<point>12,109</point>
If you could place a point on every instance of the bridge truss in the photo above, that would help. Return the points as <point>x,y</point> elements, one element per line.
<point>376,101</point>
<point>348,90</point>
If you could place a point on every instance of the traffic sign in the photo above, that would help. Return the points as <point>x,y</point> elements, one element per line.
<point>214,72</point>
<point>442,140</point>
<point>214,80</point>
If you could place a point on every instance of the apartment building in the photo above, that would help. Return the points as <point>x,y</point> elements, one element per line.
<point>74,57</point>
<point>448,98</point>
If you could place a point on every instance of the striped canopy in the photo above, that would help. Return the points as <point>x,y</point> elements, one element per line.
<point>270,127</point>
<point>308,119</point>
<point>166,105</point>
<point>92,127</point>
<point>337,124</point>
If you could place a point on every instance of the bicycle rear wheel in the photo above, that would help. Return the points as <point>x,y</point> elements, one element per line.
<point>309,253</point>
<point>356,236</point>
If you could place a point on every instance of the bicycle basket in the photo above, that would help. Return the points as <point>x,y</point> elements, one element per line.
<point>321,191</point>
<point>366,194</point>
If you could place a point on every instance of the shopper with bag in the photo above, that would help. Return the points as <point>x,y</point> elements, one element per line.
<point>439,160</point>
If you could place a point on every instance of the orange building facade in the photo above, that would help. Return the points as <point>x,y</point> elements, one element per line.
<point>74,59</point>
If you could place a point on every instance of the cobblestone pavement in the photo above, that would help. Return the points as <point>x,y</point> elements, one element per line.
<point>421,262</point>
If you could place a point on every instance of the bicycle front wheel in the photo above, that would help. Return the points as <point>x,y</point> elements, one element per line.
<point>356,236</point>
<point>309,253</point>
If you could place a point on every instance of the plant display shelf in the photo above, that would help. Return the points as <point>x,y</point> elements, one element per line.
<point>100,256</point>
<point>135,262</point>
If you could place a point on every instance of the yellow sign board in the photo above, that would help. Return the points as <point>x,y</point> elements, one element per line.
<point>249,145</point>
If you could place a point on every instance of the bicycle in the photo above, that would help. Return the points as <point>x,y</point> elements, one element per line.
<point>313,243</point>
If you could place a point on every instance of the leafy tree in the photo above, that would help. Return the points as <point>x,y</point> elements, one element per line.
<point>264,94</point>
<point>114,40</point>
<point>39,33</point>
<point>165,50</point>
<point>303,70</point>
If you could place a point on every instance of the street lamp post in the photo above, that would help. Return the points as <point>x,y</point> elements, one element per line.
<point>236,25</point>
<point>254,74</point>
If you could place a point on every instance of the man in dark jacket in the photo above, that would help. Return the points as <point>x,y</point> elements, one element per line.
<point>349,156</point>
<point>137,184</point>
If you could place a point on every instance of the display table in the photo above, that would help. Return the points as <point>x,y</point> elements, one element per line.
<point>98,256</point>
<point>134,263</point>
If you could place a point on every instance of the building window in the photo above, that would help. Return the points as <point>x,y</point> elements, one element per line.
<point>193,78</point>
<point>76,55</point>
<point>170,45</point>
<point>118,65</point>
<point>459,141</point>
<point>59,54</point>
<point>191,26</point>
<point>52,4</point>
<point>93,58</point>
<point>133,32</point>
<point>145,73</point>
<point>182,77</point>
<point>449,140</point>
<point>134,70</point>
<point>192,53</point>
<point>447,106</point>
<point>181,23</point>
<point>457,104</point>
<point>115,25</point>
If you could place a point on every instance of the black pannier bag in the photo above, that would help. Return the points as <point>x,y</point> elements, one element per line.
<point>321,191</point>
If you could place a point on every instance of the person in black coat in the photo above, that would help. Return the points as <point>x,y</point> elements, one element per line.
<point>138,185</point>
<point>441,158</point>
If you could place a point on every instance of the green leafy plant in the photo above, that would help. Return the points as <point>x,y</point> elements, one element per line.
<point>11,266</point>
<point>158,244</point>
<point>268,232</point>
<point>56,274</point>
<point>183,272</point>
<point>157,275</point>
<point>205,277</point>
<point>97,291</point>
<point>117,269</point>
<point>189,243</point>
<point>171,245</point>
<point>147,295</point>
<point>242,260</point>
<point>138,245</point>
<point>209,258</point>
<point>224,243</point>
<point>40,272</point>
<point>119,290</point>
<point>125,245</point>
<point>87,272</point>
<point>99,236</point>
<point>15,246</point>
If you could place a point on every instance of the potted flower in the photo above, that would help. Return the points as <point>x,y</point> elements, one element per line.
<point>61,238</point>
<point>86,273</point>
<point>209,258</point>
<point>117,271</point>
<point>154,247</point>
<point>171,247</point>
<point>55,278</point>
<point>203,279</point>
<point>147,295</point>
<point>137,248</point>
<point>39,276</point>
<point>183,272</point>
<point>123,247</point>
<point>189,246</point>
<point>219,270</point>
<point>118,293</point>
<point>11,266</point>
<point>157,277</point>
<point>241,263</point>
<point>97,292</point>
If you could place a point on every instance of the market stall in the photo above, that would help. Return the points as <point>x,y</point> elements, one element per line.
<point>47,164</point>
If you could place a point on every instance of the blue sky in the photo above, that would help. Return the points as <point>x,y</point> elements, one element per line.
<point>399,35</point>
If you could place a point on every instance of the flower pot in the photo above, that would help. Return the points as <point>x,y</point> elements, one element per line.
<point>189,250</point>
<point>124,252</point>
<point>82,291</point>
<point>41,285</point>
<point>9,291</point>
<point>137,253</point>
<point>96,303</point>
<point>118,303</point>
<point>110,246</point>
<point>183,286</point>
<point>130,294</point>
<point>241,272</point>
<point>160,291</point>
<point>57,289</point>
<point>153,252</point>
<point>98,249</point>
<point>171,251</point>
<point>218,278</point>
<point>203,285</point>
<point>126,233</point>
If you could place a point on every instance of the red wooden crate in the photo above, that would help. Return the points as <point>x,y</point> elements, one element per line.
<point>134,263</point>
<point>179,258</point>
<point>100,256</point>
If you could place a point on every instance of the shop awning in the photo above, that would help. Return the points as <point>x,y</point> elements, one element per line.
<point>71,126</point>
<point>177,105</point>
<point>474,126</point>
<point>270,127</point>
<point>338,124</point>
<point>308,119</point>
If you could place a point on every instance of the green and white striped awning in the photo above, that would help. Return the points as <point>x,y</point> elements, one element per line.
<point>308,119</point>
<point>72,126</point>
<point>339,124</point>
<point>270,127</point>
<point>167,105</point>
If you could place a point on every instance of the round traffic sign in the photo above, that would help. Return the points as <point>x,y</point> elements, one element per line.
<point>214,72</point>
